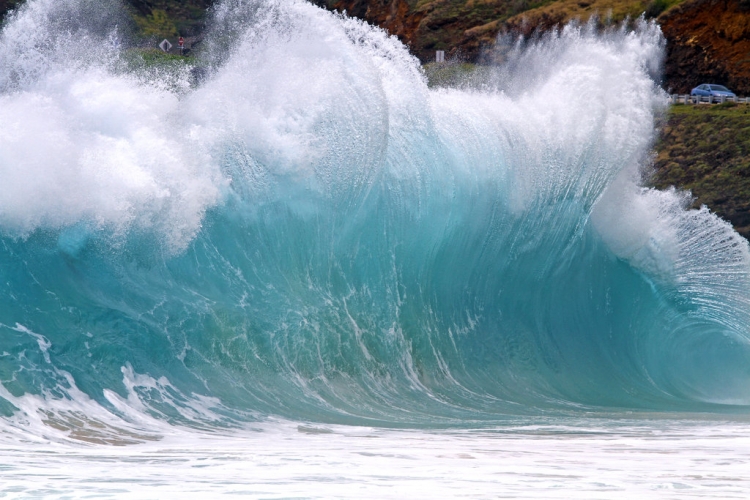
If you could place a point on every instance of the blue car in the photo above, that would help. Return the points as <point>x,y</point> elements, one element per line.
<point>709,89</point>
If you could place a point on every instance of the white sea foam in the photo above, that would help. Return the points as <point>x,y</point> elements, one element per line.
<point>611,459</point>
<point>81,142</point>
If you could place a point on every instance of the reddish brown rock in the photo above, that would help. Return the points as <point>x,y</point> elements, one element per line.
<point>708,41</point>
<point>395,16</point>
<point>460,27</point>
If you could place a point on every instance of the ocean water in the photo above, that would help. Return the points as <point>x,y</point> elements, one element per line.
<point>292,269</point>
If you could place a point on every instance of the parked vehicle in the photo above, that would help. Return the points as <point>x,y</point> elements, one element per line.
<point>709,89</point>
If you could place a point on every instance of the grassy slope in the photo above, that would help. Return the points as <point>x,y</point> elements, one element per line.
<point>707,149</point>
<point>448,24</point>
<point>562,11</point>
<point>168,18</point>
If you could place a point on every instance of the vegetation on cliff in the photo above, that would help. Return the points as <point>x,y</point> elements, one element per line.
<point>153,19</point>
<point>706,149</point>
<point>169,18</point>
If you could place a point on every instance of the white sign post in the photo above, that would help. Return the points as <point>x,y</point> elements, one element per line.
<point>165,45</point>
<point>439,56</point>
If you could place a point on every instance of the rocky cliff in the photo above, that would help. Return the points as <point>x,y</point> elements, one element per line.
<point>460,27</point>
<point>464,28</point>
<point>708,41</point>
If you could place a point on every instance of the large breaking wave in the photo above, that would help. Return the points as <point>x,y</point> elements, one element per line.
<point>311,232</point>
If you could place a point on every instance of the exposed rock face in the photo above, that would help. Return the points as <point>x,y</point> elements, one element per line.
<point>398,17</point>
<point>460,27</point>
<point>708,41</point>
<point>465,27</point>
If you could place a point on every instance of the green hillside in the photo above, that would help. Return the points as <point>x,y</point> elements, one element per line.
<point>706,149</point>
<point>154,18</point>
<point>169,18</point>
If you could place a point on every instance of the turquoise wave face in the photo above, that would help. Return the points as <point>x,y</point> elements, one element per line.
<point>313,233</point>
